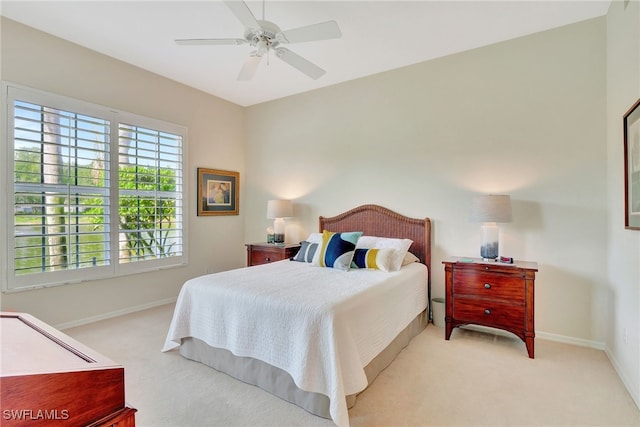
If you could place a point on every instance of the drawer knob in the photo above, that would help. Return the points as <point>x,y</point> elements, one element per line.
<point>267,259</point>
<point>487,285</point>
<point>487,311</point>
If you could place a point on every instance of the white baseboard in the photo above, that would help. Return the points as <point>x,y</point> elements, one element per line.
<point>570,340</point>
<point>116,313</point>
<point>627,384</point>
<point>542,335</point>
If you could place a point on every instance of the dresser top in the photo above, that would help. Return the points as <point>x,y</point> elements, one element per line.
<point>529,265</point>
<point>30,346</point>
<point>274,245</point>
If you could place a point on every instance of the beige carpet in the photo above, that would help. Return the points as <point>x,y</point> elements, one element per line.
<point>475,379</point>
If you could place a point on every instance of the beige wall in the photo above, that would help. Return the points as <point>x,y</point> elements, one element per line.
<point>524,117</point>
<point>623,260</point>
<point>32,58</point>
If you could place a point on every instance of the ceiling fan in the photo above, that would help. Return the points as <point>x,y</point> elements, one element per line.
<point>266,36</point>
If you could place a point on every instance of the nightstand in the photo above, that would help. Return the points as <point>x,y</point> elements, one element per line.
<point>491,294</point>
<point>263,253</point>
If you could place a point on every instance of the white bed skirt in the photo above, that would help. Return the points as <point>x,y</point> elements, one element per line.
<point>278,382</point>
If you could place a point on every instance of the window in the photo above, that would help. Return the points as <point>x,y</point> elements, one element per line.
<point>91,193</point>
<point>150,189</point>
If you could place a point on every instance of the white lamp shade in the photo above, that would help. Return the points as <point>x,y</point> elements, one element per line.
<point>279,209</point>
<point>491,208</point>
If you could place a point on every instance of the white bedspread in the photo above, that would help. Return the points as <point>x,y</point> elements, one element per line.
<point>321,325</point>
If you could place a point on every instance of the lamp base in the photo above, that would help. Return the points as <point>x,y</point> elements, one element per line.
<point>489,241</point>
<point>278,229</point>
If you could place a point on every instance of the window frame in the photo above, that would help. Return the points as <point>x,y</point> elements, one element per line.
<point>12,282</point>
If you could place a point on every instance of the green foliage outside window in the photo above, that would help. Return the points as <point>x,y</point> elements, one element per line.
<point>146,218</point>
<point>147,222</point>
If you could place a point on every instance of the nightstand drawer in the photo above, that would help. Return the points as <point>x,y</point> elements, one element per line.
<point>489,285</point>
<point>488,312</point>
<point>264,257</point>
<point>264,253</point>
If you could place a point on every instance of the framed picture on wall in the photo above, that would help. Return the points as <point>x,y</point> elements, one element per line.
<point>632,167</point>
<point>218,192</point>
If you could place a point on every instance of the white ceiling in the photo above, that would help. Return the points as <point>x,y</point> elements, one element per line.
<point>376,35</point>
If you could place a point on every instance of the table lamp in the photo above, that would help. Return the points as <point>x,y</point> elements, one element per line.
<point>278,210</point>
<point>489,210</point>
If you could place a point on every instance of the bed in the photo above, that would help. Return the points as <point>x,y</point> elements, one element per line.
<point>313,336</point>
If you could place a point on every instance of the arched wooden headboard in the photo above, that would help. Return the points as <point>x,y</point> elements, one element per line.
<point>374,220</point>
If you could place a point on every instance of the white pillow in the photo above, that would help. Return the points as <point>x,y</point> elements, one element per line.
<point>409,258</point>
<point>315,238</point>
<point>400,246</point>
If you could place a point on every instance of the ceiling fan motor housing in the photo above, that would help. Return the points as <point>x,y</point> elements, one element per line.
<point>268,35</point>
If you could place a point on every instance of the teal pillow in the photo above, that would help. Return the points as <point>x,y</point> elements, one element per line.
<point>336,249</point>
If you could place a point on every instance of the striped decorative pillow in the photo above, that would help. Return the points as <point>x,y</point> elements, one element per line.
<point>306,252</point>
<point>400,247</point>
<point>377,259</point>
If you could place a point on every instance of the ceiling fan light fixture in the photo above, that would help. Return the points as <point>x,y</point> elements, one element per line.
<point>262,47</point>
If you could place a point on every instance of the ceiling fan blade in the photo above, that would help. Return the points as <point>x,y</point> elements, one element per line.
<point>322,31</point>
<point>296,61</point>
<point>196,42</point>
<point>249,68</point>
<point>243,13</point>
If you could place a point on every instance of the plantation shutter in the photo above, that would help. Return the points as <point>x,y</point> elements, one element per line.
<point>61,190</point>
<point>150,204</point>
<point>92,192</point>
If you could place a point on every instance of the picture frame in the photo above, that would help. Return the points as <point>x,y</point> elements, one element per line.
<point>218,192</point>
<point>631,125</point>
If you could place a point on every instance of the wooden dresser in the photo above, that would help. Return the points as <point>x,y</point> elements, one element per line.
<point>263,253</point>
<point>491,294</point>
<point>49,379</point>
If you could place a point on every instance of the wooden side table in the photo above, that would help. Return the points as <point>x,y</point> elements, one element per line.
<point>44,371</point>
<point>263,253</point>
<point>491,294</point>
